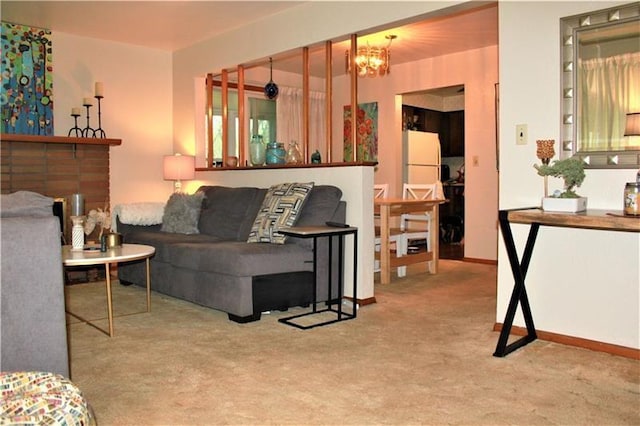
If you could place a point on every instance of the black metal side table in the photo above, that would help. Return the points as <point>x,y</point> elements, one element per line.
<point>316,232</point>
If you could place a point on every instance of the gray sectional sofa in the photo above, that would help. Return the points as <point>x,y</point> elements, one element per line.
<point>219,269</point>
<point>33,331</point>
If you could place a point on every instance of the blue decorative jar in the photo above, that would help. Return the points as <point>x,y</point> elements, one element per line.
<point>276,153</point>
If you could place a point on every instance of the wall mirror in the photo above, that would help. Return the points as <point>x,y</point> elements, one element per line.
<point>601,86</point>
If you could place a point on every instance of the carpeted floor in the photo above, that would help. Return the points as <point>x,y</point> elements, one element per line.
<point>421,355</point>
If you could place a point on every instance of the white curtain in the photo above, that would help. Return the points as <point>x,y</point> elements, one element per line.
<point>609,89</point>
<point>289,118</point>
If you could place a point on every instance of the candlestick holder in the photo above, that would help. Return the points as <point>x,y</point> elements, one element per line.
<point>99,133</point>
<point>75,130</point>
<point>88,132</point>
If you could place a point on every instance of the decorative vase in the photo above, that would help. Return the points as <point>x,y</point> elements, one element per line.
<point>569,205</point>
<point>632,198</point>
<point>315,157</point>
<point>257,150</point>
<point>293,154</point>
<point>275,153</point>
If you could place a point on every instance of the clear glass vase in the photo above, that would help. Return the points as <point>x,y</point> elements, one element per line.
<point>257,150</point>
<point>293,154</point>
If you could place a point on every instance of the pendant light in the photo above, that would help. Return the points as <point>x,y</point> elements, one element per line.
<point>271,89</point>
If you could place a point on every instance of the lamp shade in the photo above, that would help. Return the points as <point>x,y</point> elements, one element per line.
<point>632,127</point>
<point>179,167</point>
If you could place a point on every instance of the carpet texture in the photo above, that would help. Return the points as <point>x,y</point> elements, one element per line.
<point>421,355</point>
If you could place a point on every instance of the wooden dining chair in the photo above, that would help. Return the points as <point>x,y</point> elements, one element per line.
<point>416,226</point>
<point>396,238</point>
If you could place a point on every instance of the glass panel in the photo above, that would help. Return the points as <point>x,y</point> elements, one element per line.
<point>262,118</point>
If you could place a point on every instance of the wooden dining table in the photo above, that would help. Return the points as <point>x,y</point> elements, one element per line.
<point>390,207</point>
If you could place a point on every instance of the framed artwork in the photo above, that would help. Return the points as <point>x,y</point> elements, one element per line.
<point>26,99</point>
<point>367,132</point>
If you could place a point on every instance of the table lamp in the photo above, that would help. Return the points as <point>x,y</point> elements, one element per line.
<point>178,168</point>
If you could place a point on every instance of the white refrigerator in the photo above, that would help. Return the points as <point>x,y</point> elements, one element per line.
<point>421,157</point>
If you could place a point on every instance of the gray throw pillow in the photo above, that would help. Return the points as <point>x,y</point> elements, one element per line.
<point>281,207</point>
<point>182,212</point>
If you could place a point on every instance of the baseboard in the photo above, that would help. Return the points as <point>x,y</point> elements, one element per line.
<point>483,261</point>
<point>363,302</point>
<point>578,342</point>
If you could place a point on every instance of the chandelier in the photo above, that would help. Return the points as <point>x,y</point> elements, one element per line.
<point>371,60</point>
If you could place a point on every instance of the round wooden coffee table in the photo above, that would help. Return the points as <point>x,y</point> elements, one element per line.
<point>124,253</point>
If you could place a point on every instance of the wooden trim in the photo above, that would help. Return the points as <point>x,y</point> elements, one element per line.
<point>209,158</point>
<point>288,166</point>
<point>363,302</point>
<point>241,113</point>
<point>578,342</point>
<point>483,261</point>
<point>232,85</point>
<point>225,116</point>
<point>328,100</point>
<point>354,96</point>
<point>10,137</point>
<point>305,104</point>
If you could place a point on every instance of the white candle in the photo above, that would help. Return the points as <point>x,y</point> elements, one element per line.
<point>76,111</point>
<point>87,102</point>
<point>99,92</point>
<point>77,205</point>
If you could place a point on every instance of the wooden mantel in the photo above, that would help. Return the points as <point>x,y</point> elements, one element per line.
<point>9,137</point>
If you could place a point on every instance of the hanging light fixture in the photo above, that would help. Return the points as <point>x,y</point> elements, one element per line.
<point>271,89</point>
<point>372,61</point>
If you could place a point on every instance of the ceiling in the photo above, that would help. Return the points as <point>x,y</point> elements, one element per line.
<point>165,25</point>
<point>161,25</point>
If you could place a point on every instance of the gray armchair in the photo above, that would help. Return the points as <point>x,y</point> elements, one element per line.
<point>32,308</point>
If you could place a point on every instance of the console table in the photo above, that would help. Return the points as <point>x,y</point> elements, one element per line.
<point>316,232</point>
<point>608,220</point>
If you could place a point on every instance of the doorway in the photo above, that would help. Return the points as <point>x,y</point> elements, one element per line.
<point>441,111</point>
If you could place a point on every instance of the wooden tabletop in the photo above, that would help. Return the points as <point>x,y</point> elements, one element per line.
<point>611,220</point>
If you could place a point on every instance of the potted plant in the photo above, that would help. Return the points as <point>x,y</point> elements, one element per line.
<point>571,170</point>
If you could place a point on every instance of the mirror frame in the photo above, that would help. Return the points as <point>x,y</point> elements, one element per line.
<point>569,27</point>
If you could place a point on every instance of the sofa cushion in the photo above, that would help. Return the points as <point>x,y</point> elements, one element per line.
<point>320,206</point>
<point>182,212</point>
<point>163,240</point>
<point>239,258</point>
<point>280,208</point>
<point>228,213</point>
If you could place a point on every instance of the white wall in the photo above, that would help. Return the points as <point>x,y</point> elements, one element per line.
<point>136,108</point>
<point>581,283</point>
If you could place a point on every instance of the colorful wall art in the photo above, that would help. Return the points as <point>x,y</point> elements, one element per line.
<point>367,132</point>
<point>26,98</point>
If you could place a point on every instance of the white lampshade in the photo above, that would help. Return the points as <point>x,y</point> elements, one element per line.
<point>632,126</point>
<point>179,167</point>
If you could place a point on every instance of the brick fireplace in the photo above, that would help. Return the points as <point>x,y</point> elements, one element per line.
<point>57,169</point>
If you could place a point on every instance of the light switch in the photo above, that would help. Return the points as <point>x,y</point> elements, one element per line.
<point>521,134</point>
